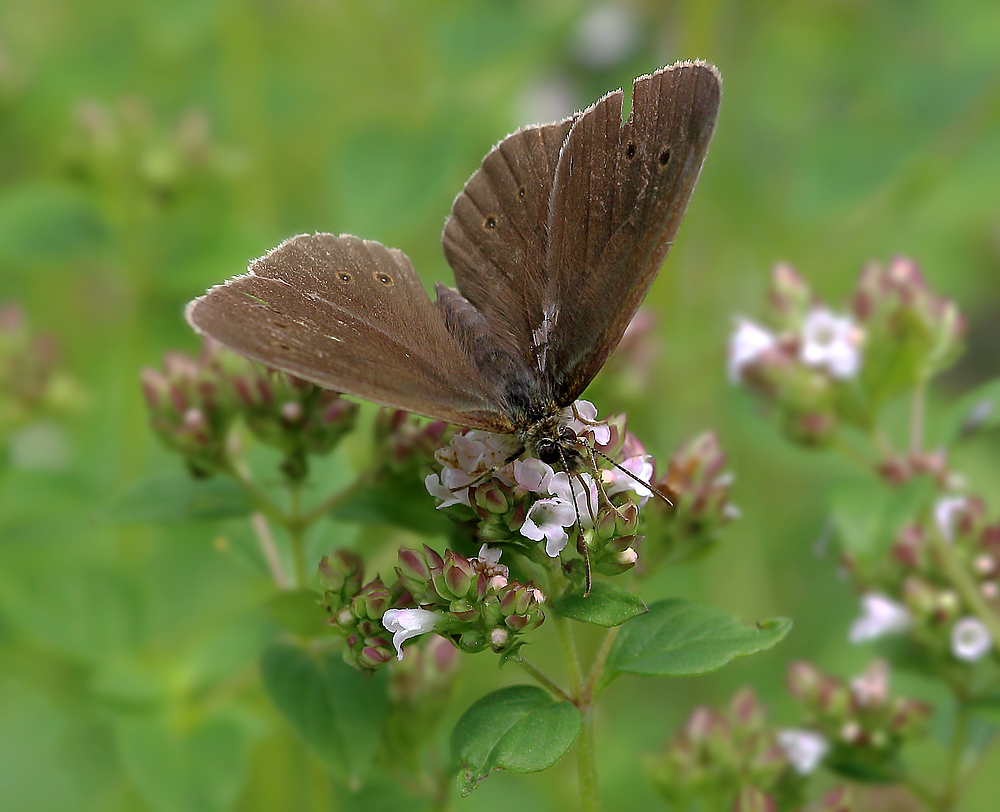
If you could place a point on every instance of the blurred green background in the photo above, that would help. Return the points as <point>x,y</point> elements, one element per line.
<point>148,150</point>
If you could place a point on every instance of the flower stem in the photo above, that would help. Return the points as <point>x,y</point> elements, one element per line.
<point>953,773</point>
<point>585,750</point>
<point>296,533</point>
<point>597,669</point>
<point>917,408</point>
<point>332,502</point>
<point>544,680</point>
<point>586,759</point>
<point>264,502</point>
<point>570,658</point>
<point>269,549</point>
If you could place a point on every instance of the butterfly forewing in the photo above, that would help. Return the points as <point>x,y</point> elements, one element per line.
<point>619,194</point>
<point>496,237</point>
<point>350,315</point>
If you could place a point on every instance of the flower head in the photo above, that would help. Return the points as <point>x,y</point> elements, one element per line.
<point>746,345</point>
<point>946,511</point>
<point>970,639</point>
<point>547,519</point>
<point>805,749</point>
<point>407,623</point>
<point>832,343</point>
<point>880,616</point>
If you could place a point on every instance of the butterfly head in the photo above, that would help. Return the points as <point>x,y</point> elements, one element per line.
<point>554,442</point>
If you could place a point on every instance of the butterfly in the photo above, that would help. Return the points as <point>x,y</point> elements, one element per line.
<point>554,243</point>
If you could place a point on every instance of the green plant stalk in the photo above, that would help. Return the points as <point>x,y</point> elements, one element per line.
<point>264,503</point>
<point>953,772</point>
<point>332,502</point>
<point>567,645</point>
<point>917,408</point>
<point>542,679</point>
<point>594,682</point>
<point>296,534</point>
<point>585,750</point>
<point>586,758</point>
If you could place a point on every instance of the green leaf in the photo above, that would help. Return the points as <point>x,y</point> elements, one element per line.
<point>298,611</point>
<point>676,638</point>
<point>178,497</point>
<point>521,729</point>
<point>399,502</point>
<point>337,711</point>
<point>979,410</point>
<point>606,605</point>
<point>196,767</point>
<point>867,516</point>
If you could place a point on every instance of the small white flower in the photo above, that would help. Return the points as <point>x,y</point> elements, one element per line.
<point>547,519</point>
<point>606,35</point>
<point>617,482</point>
<point>945,512</point>
<point>437,489</point>
<point>586,497</point>
<point>533,475</point>
<point>587,411</point>
<point>746,344</point>
<point>879,616</point>
<point>872,687</point>
<point>832,343</point>
<point>407,623</point>
<point>489,555</point>
<point>970,639</point>
<point>488,563</point>
<point>804,749</point>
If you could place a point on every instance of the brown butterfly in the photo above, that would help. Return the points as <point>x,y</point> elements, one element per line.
<point>554,242</point>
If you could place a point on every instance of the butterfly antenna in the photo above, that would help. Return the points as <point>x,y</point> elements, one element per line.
<point>580,544</point>
<point>630,475</point>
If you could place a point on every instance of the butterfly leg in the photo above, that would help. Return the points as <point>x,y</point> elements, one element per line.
<point>479,480</point>
<point>581,545</point>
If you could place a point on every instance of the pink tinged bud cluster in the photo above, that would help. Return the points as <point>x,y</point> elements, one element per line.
<point>527,500</point>
<point>406,442</point>
<point>859,714</point>
<point>733,759</point>
<point>920,598</point>
<point>470,601</point>
<point>698,484</point>
<point>30,379</point>
<point>194,402</point>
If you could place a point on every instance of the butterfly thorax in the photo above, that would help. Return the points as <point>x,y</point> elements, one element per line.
<point>550,439</point>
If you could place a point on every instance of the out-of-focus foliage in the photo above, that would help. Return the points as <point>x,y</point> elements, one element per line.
<point>149,150</point>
